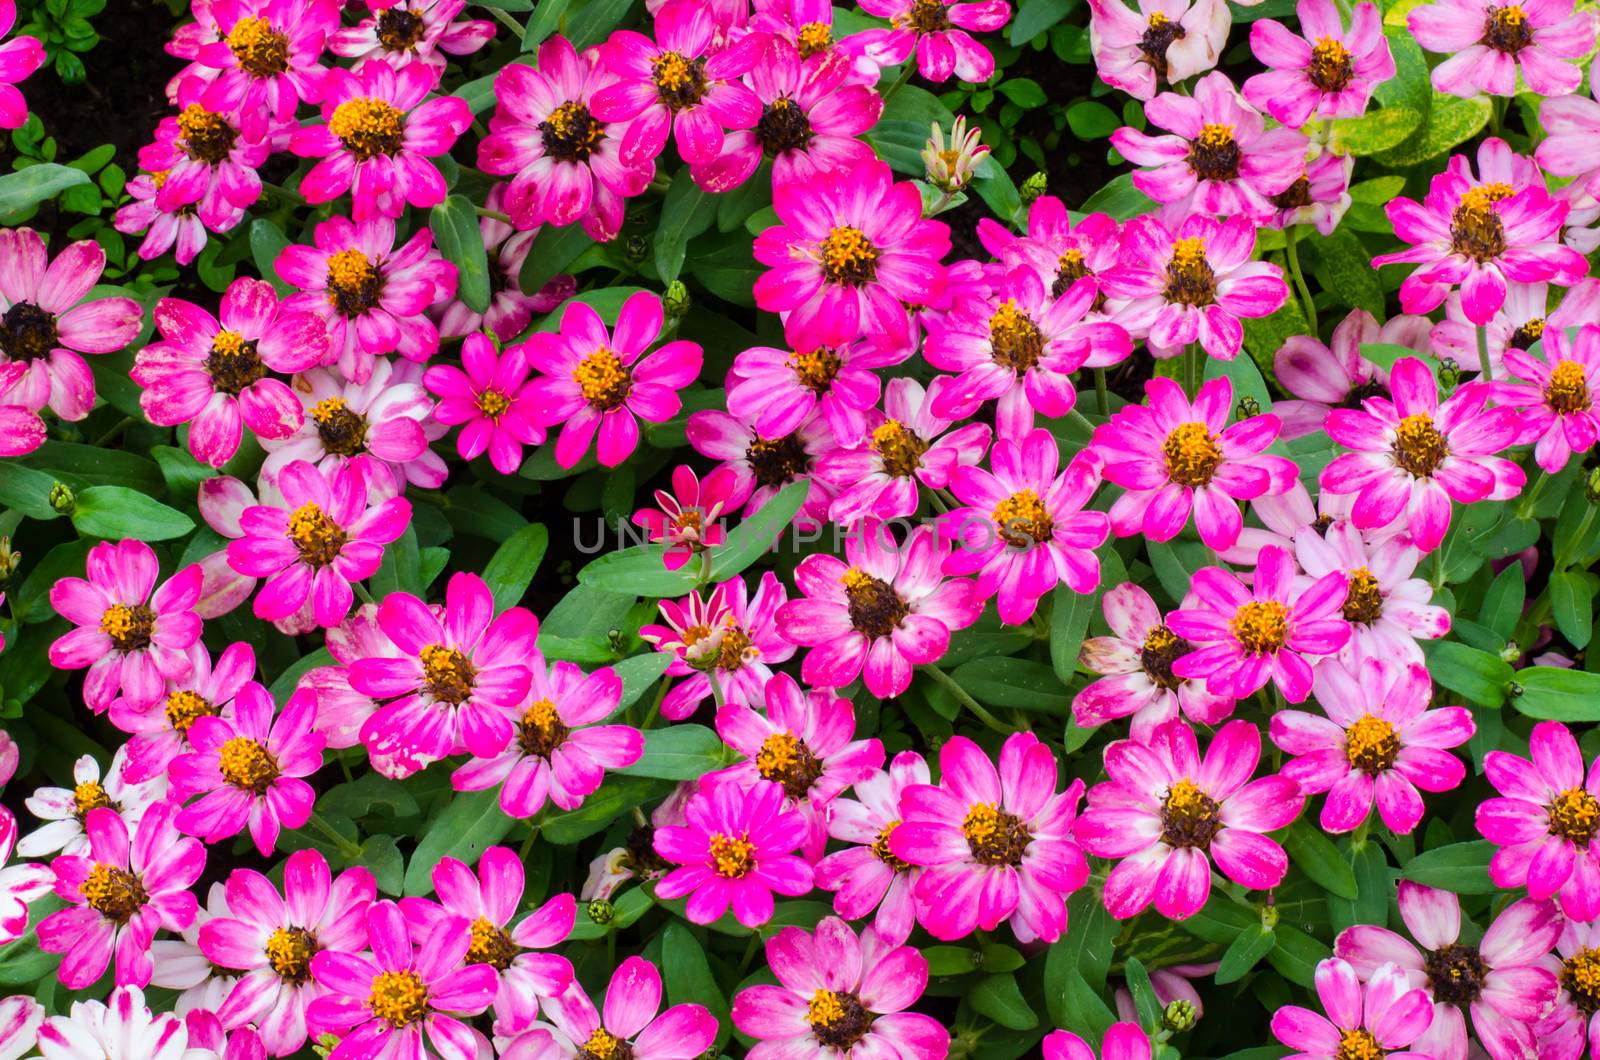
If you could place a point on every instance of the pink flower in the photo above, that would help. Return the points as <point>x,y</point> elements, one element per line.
<point>1163,41</point>
<point>1026,528</point>
<point>120,894</point>
<point>1571,1028</point>
<point>1273,630</point>
<point>1500,980</point>
<point>689,517</point>
<point>249,769</point>
<point>267,57</point>
<point>1324,71</point>
<point>160,731</point>
<point>1164,810</point>
<point>564,163</point>
<point>1057,251</point>
<point>489,901</point>
<point>379,137</point>
<point>19,886</point>
<point>908,444</point>
<point>734,850</point>
<point>490,394</point>
<point>1382,1017</point>
<point>1545,821</point>
<point>1337,375</point>
<point>867,875</point>
<point>1219,160</point>
<point>557,751</point>
<point>209,164</point>
<point>762,465</point>
<point>126,1029</point>
<point>1388,609</point>
<point>63,809</point>
<point>852,249</point>
<point>1174,457</point>
<point>1488,44</point>
<point>363,288</point>
<point>1019,346</point>
<point>1556,401</point>
<point>631,1026</point>
<point>732,634</point>
<point>411,32</point>
<point>803,741</point>
<point>21,429</point>
<point>882,610</point>
<point>1414,455</point>
<point>409,989</point>
<point>809,125</point>
<point>222,502</point>
<point>18,59</point>
<point>939,33</point>
<point>1123,1041</point>
<point>995,846</point>
<point>130,638</point>
<point>311,546</point>
<point>178,226</point>
<point>510,310</point>
<point>1481,236</point>
<point>1192,283</point>
<point>1320,196</point>
<point>45,324</point>
<point>1520,323</point>
<point>1571,147</point>
<point>839,995</point>
<point>778,390</point>
<point>1136,661</point>
<point>341,710</point>
<point>1379,743</point>
<point>20,1019</point>
<point>604,381</point>
<point>214,375</point>
<point>271,939</point>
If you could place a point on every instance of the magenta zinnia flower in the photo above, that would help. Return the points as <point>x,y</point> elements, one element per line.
<point>1123,1041</point>
<point>130,638</point>
<point>1388,609</point>
<point>1057,250</point>
<point>209,165</point>
<point>213,375</point>
<point>1545,821</point>
<point>1521,321</point>
<point>732,633</point>
<point>778,390</point>
<point>271,939</point>
<point>1027,529</point>
<point>600,381</point>
<point>882,610</point>
<point>402,33</point>
<point>839,995</point>
<point>867,875</point>
<point>20,885</point>
<point>1500,981</point>
<point>995,845</point>
<point>762,465</point>
<point>179,227</point>
<point>267,58</point>
<point>937,30</point>
<point>18,59</point>
<point>46,325</point>
<point>688,520</point>
<point>1168,41</point>
<point>489,394</point>
<point>1380,1018</point>
<point>1572,1027</point>
<point>120,894</point>
<point>1488,44</point>
<point>851,251</point>
<point>408,990</point>
<point>734,850</point>
<point>1414,454</point>
<point>1379,743</point>
<point>1334,375</point>
<point>323,535</point>
<point>1173,457</point>
<point>1556,401</point>
<point>249,769</point>
<point>1163,810</point>
<point>558,750</point>
<point>1324,71</point>
<point>1136,664</point>
<point>379,137</point>
<point>631,1026</point>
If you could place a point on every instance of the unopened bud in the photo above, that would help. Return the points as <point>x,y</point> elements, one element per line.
<point>9,560</point>
<point>601,911</point>
<point>677,300</point>
<point>1591,487</point>
<point>1449,371</point>
<point>1034,187</point>
<point>325,1044</point>
<point>1511,652</point>
<point>635,249</point>
<point>62,499</point>
<point>1514,689</point>
<point>1179,1016</point>
<point>951,168</point>
<point>1269,917</point>
<point>1247,407</point>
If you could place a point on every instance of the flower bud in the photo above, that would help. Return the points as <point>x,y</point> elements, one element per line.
<point>601,911</point>
<point>62,499</point>
<point>1247,407</point>
<point>9,560</point>
<point>1511,652</point>
<point>1179,1016</point>
<point>635,249</point>
<point>325,1044</point>
<point>1034,187</point>
<point>952,168</point>
<point>1591,487</point>
<point>1449,372</point>
<point>677,299</point>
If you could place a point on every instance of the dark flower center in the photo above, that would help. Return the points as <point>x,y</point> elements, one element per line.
<point>128,626</point>
<point>399,29</point>
<point>900,447</point>
<point>925,16</point>
<point>571,133</point>
<point>848,257</point>
<point>1363,600</point>
<point>289,950</point>
<point>207,136</point>
<point>27,332</point>
<point>1295,195</point>
<point>1371,745</point>
<point>1528,334</point>
<point>343,432</point>
<point>1418,446</point>
<point>260,50</point>
<point>680,82</point>
<point>1330,68</point>
<point>1014,338</point>
<point>1190,280</point>
<point>1188,816</point>
<point>875,608</point>
<point>1507,30</point>
<point>1476,230</point>
<point>1580,974</point>
<point>317,536</point>
<point>1070,268</point>
<point>786,759</point>
<point>1370,389</point>
<point>604,379</point>
<point>491,946</point>
<point>1567,390</point>
<point>776,461</point>
<point>994,836</point>
<point>783,126</point>
<point>881,851</point>
<point>1159,34</point>
<point>89,795</point>
<point>448,673</point>
<point>838,1019</point>
<point>817,369</point>
<point>234,364</point>
<point>354,282</point>
<point>1214,154</point>
<point>541,730</point>
<point>114,893</point>
<point>1575,815</point>
<point>1456,974</point>
<point>1160,650</point>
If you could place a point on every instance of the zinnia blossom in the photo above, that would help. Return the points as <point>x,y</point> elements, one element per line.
<point>995,845</point>
<point>882,610</point>
<point>1379,743</point>
<point>688,521</point>
<point>1319,197</point>
<point>214,375</point>
<point>1521,322</point>
<point>734,850</point>
<point>1168,41</point>
<point>210,165</point>
<point>732,634</point>
<point>120,894</point>
<point>1414,454</point>
<point>599,381</point>
<point>778,390</point>
<point>491,396</point>
<point>160,732</point>
<point>938,31</point>
<point>1571,1028</point>
<point>412,32</point>
<point>1123,1041</point>
<point>762,465</point>
<point>1381,1017</point>
<point>19,58</point>
<point>63,809</point>
<point>1167,813</point>
<point>633,1024</point>
<point>867,875</point>
<point>850,251</point>
<point>1324,71</point>
<point>839,995</point>
<point>249,769</point>
<point>123,1029</point>
<point>130,638</point>
<point>1545,821</point>
<point>1323,377</point>
<point>179,229</point>
<point>1489,44</point>
<point>1057,250</point>
<point>1500,981</point>
<point>267,58</point>
<point>20,885</point>
<point>46,325</point>
<point>1555,395</point>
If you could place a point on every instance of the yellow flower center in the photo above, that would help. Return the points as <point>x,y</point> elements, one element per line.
<point>571,133</point>
<point>114,893</point>
<point>817,369</point>
<point>680,82</point>
<point>289,951</point>
<point>491,946</point>
<point>1568,391</point>
<point>206,135</point>
<point>814,37</point>
<point>342,430</point>
<point>1022,519</point>
<point>603,1045</point>
<point>1014,338</point>
<point>185,707</point>
<point>1330,68</point>
<point>354,282</point>
<point>492,403</point>
<point>260,50</point>
<point>732,857</point>
<point>1358,1045</point>
<point>89,796</point>
<point>399,997</point>
<point>318,537</point>
<point>448,673</point>
<point>1475,227</point>
<point>368,127</point>
<point>233,363</point>
<point>875,608</point>
<point>1214,154</point>
<point>246,764</point>
<point>1363,600</point>
<point>900,448</point>
<point>541,729</point>
<point>1371,744</point>
<point>128,627</point>
<point>1527,334</point>
<point>1262,626</point>
<point>1192,455</point>
<point>1419,448</point>
<point>604,379</point>
<point>1506,29</point>
<point>881,851</point>
<point>1580,974</point>
<point>786,759</point>
<point>848,257</point>
<point>994,836</point>
<point>1575,815</point>
<point>1190,279</point>
<point>1188,816</point>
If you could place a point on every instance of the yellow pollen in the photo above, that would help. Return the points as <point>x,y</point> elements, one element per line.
<point>89,796</point>
<point>114,893</point>
<point>1187,253</point>
<point>1331,68</point>
<point>1371,744</point>
<point>541,729</point>
<point>981,824</point>
<point>1014,338</point>
<point>206,135</point>
<point>349,272</point>
<point>672,71</point>
<point>289,951</point>
<point>327,409</point>
<point>492,403</point>
<point>1575,815</point>
<point>848,257</point>
<point>260,50</point>
<point>1215,136</point>
<point>158,177</point>
<point>1023,520</point>
<point>244,763</point>
<point>129,627</point>
<point>1568,391</point>
<point>900,448</point>
<point>604,379</point>
<point>1482,198</point>
<point>1419,447</point>
<point>1192,454</point>
<point>880,848</point>
<point>399,997</point>
<point>1359,1045</point>
<point>368,127</point>
<point>1262,626</point>
<point>1511,15</point>
<point>732,858</point>
<point>816,369</point>
<point>779,753</point>
<point>318,537</point>
<point>814,37</point>
<point>1580,974</point>
<point>824,1009</point>
<point>1190,278</point>
<point>490,945</point>
<point>1363,600</point>
<point>603,1045</point>
<point>1329,50</point>
<point>449,673</point>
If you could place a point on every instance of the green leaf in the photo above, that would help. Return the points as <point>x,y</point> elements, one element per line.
<point>1373,884</point>
<point>1377,130</point>
<point>747,541</point>
<point>639,673</point>
<point>616,796</point>
<point>1452,121</point>
<point>1478,675</point>
<point>999,998</point>
<point>1559,694</point>
<point>1021,684</point>
<point>688,975</point>
<point>1346,269</point>
<point>1120,199</point>
<point>266,243</point>
<point>1502,604</point>
<point>1079,1005</point>
<point>681,752</point>
<point>28,188</point>
<point>284,685</point>
<point>1319,859</point>
<point>26,490</point>
<point>1085,949</point>
<point>1035,17</point>
<point>1024,92</point>
<point>182,472</point>
<point>115,512</point>
<point>358,798</point>
<point>946,961</point>
<point>685,213</point>
<point>1572,605</point>
<point>1460,867</point>
<point>455,232</point>
<point>545,21</point>
<point>1244,376</point>
<point>472,821</point>
<point>1244,953</point>
<point>1145,1001</point>
<point>512,567</point>
<point>594,22</point>
<point>383,859</point>
<point>638,571</point>
<point>553,250</point>
<point>401,569</point>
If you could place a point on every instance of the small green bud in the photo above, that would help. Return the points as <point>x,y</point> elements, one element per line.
<point>1515,689</point>
<point>1449,371</point>
<point>1591,487</point>
<point>1179,1016</point>
<point>1269,917</point>
<point>1247,407</point>
<point>677,300</point>
<point>62,499</point>
<point>601,911</point>
<point>1034,187</point>
<point>635,249</point>
<point>1511,652</point>
<point>325,1044</point>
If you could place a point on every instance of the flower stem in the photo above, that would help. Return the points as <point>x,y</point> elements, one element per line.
<point>533,834</point>
<point>361,591</point>
<point>484,211</point>
<point>966,700</point>
<point>347,850</point>
<point>1191,369</point>
<point>905,75</point>
<point>1291,251</point>
<point>1485,368</point>
<point>115,431</point>
<point>1102,396</point>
